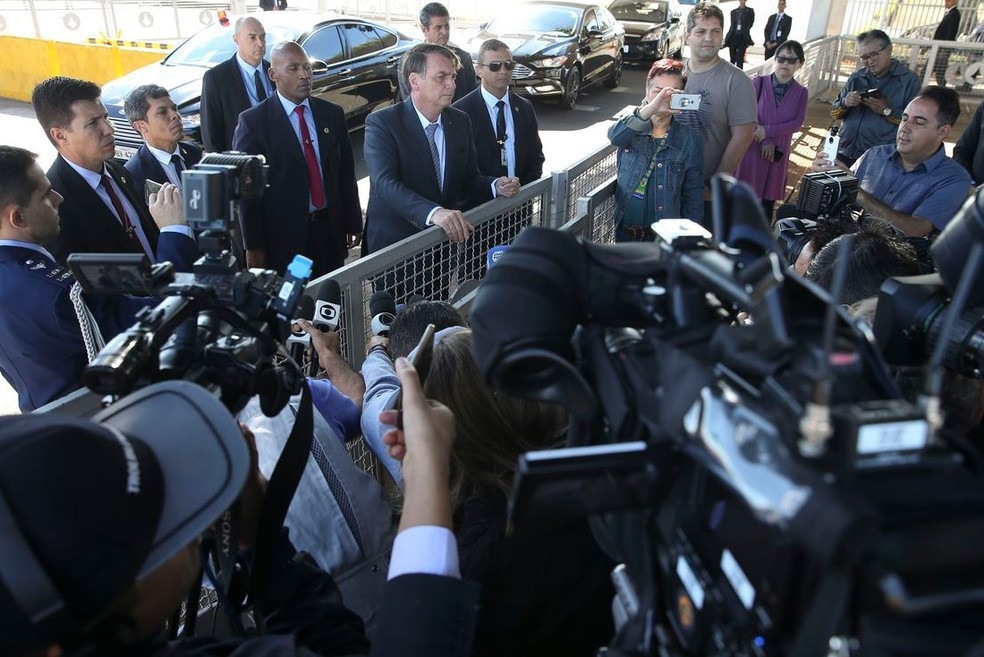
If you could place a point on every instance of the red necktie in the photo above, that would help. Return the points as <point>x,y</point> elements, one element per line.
<point>120,212</point>
<point>314,173</point>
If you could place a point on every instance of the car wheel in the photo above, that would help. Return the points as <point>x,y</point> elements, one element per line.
<point>616,75</point>
<point>571,89</point>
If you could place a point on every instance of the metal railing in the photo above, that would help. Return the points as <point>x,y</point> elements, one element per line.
<point>429,265</point>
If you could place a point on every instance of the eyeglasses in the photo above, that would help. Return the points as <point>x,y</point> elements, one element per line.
<point>496,65</point>
<point>871,55</point>
<point>787,60</point>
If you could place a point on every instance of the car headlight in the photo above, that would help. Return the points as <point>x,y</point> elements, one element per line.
<point>550,62</point>
<point>650,36</point>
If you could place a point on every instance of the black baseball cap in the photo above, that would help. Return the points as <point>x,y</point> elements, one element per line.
<point>88,507</point>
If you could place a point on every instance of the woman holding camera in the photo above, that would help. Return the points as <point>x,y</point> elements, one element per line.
<point>781,111</point>
<point>659,161</point>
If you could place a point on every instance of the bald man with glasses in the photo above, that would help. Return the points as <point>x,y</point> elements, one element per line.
<point>872,101</point>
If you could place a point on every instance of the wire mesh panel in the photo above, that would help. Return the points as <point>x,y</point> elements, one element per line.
<point>581,182</point>
<point>603,221</point>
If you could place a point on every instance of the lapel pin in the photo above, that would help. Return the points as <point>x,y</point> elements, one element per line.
<point>326,131</point>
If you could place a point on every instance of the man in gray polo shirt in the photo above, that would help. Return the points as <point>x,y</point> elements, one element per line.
<point>728,107</point>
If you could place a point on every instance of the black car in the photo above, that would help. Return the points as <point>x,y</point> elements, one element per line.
<point>652,29</point>
<point>354,62</point>
<point>559,47</point>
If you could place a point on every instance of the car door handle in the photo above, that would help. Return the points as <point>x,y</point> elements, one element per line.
<point>394,59</point>
<point>344,71</point>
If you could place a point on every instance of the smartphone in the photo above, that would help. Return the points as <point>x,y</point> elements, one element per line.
<point>685,101</point>
<point>420,358</point>
<point>871,93</point>
<point>832,144</point>
<point>151,187</point>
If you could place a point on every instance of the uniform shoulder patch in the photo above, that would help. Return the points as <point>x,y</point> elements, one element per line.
<point>43,269</point>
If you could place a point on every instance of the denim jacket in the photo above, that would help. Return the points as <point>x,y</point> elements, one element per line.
<point>677,176</point>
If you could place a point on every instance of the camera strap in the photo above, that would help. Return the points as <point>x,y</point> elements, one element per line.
<point>280,491</point>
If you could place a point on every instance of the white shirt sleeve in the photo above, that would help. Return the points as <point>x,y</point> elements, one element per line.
<point>425,549</point>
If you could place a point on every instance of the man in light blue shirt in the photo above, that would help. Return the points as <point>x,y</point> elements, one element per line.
<point>913,184</point>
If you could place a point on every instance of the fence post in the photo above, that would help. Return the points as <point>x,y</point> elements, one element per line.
<point>558,198</point>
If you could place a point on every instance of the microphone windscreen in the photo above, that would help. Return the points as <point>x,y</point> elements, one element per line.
<point>381,302</point>
<point>306,308</point>
<point>787,211</point>
<point>330,292</point>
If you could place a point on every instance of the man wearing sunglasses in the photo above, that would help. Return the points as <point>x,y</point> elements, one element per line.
<point>507,139</point>
<point>872,101</point>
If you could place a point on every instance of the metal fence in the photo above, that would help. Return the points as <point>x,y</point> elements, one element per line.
<point>429,265</point>
<point>908,18</point>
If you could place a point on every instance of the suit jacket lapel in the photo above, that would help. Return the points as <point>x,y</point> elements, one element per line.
<point>85,196</point>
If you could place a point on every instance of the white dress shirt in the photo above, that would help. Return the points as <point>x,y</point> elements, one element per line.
<point>249,80</point>
<point>510,145</point>
<point>165,159</point>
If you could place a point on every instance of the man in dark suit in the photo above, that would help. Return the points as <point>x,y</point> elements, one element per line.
<point>947,30</point>
<point>423,167</point>
<point>777,29</point>
<point>312,204</point>
<point>507,140</point>
<point>163,156</point>
<point>42,352</point>
<point>435,23</point>
<point>235,85</point>
<point>102,212</point>
<point>740,33</point>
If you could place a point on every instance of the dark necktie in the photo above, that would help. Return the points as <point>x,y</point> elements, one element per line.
<point>315,184</point>
<point>260,89</point>
<point>435,156</point>
<point>500,135</point>
<point>177,164</point>
<point>775,28</point>
<point>120,212</point>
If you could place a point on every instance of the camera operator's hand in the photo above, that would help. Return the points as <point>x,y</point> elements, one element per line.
<point>424,446</point>
<point>166,206</point>
<point>252,497</point>
<point>353,240</point>
<point>656,104</point>
<point>852,99</point>
<point>820,162</point>
<point>328,346</point>
<point>255,258</point>
<point>453,223</point>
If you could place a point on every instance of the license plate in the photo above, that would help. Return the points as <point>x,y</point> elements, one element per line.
<point>625,49</point>
<point>125,152</point>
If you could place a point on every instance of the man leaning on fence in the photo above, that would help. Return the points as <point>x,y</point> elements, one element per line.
<point>422,167</point>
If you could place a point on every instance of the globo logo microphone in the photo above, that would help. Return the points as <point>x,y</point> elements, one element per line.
<point>495,253</point>
<point>328,313</point>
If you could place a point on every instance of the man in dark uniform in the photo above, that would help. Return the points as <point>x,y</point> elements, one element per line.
<point>235,85</point>
<point>777,29</point>
<point>42,353</point>
<point>306,144</point>
<point>102,211</point>
<point>740,33</point>
<point>435,23</point>
<point>507,139</point>
<point>947,30</point>
<point>164,155</point>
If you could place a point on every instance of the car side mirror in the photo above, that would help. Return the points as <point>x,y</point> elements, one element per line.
<point>674,20</point>
<point>318,66</point>
<point>595,34</point>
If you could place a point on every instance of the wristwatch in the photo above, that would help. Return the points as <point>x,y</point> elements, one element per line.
<point>887,111</point>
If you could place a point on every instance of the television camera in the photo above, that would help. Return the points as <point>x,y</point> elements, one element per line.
<point>764,485</point>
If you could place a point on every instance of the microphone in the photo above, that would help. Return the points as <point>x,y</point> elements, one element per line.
<point>328,307</point>
<point>299,341</point>
<point>382,308</point>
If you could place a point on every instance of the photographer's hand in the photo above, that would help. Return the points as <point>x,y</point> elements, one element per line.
<point>424,446</point>
<point>657,104</point>
<point>166,206</point>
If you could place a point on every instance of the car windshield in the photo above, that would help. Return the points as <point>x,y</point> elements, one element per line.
<point>537,20</point>
<point>214,45</point>
<point>646,12</point>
